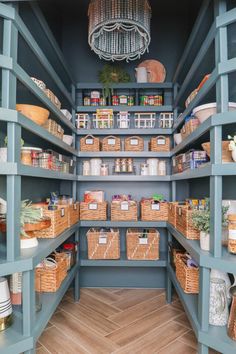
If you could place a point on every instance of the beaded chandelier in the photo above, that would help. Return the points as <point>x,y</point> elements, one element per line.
<point>119,29</point>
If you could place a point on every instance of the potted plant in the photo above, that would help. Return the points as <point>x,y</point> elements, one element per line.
<point>232,146</point>
<point>3,150</point>
<point>109,75</point>
<point>201,221</point>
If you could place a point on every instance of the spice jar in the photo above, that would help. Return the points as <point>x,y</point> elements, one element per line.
<point>86,168</point>
<point>26,158</point>
<point>117,165</point>
<point>232,233</point>
<point>104,169</point>
<point>70,249</point>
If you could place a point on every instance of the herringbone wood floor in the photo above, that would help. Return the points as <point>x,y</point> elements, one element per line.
<point>119,321</point>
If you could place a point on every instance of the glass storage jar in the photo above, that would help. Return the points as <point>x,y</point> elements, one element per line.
<point>26,158</point>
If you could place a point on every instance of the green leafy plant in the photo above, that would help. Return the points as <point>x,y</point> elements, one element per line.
<point>6,141</point>
<point>28,215</point>
<point>201,218</point>
<point>111,74</point>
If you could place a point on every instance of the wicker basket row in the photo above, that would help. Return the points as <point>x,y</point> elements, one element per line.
<point>180,216</point>
<point>139,246</point>
<point>54,128</point>
<point>90,143</point>
<point>62,218</point>
<point>124,211</point>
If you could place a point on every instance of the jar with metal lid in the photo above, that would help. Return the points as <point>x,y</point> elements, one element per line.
<point>130,165</point>
<point>123,165</point>
<point>102,101</point>
<point>117,165</point>
<point>86,101</point>
<point>70,249</point>
<point>86,168</point>
<point>104,169</point>
<point>232,233</point>
<point>26,158</point>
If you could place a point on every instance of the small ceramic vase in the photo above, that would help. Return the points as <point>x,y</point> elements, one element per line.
<point>205,241</point>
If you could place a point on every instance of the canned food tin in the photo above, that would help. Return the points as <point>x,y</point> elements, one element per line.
<point>115,100</point>
<point>130,100</point>
<point>123,99</point>
<point>86,101</point>
<point>144,100</point>
<point>151,100</point>
<point>158,101</point>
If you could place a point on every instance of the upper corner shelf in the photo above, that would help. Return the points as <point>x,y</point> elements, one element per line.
<point>129,85</point>
<point>167,108</point>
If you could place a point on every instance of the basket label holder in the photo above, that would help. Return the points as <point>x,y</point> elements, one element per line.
<point>93,206</point>
<point>124,206</point>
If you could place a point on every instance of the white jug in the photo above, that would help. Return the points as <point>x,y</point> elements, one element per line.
<point>141,74</point>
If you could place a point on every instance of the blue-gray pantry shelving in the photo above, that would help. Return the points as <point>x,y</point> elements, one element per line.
<point>16,178</point>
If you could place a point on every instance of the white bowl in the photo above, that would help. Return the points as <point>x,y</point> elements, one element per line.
<point>66,113</point>
<point>68,139</point>
<point>178,138</point>
<point>205,111</point>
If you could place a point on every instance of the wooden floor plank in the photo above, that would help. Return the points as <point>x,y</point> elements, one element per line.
<point>99,306</point>
<point>102,294</point>
<point>138,311</point>
<point>90,318</point>
<point>177,347</point>
<point>135,298</point>
<point>189,338</point>
<point>57,342</point>
<point>154,340</point>
<point>183,320</point>
<point>139,328</point>
<point>83,335</point>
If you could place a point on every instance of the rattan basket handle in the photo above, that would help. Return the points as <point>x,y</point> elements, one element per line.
<point>50,259</point>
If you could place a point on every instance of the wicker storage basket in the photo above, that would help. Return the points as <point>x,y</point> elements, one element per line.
<point>142,248</point>
<point>226,154</point>
<point>103,244</point>
<point>151,211</point>
<point>111,143</point>
<point>49,278</point>
<point>134,143</point>
<point>184,223</point>
<point>172,212</point>
<point>53,98</point>
<point>73,214</point>
<point>93,211</point>
<point>173,251</point>
<point>89,143</point>
<point>189,127</point>
<point>124,211</point>
<point>160,143</point>
<point>59,222</point>
<point>188,277</point>
<point>54,128</point>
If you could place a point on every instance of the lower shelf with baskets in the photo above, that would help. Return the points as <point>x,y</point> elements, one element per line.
<point>122,262</point>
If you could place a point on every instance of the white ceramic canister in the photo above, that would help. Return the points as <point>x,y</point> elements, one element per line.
<point>141,74</point>
<point>152,167</point>
<point>95,167</point>
<point>86,168</point>
<point>162,168</point>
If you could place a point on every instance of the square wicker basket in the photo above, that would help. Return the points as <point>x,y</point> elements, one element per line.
<point>142,246</point>
<point>184,223</point>
<point>188,277</point>
<point>124,211</point>
<point>134,143</point>
<point>49,278</point>
<point>89,143</point>
<point>59,222</point>
<point>93,211</point>
<point>159,143</point>
<point>111,143</point>
<point>151,211</point>
<point>103,244</point>
<point>172,212</point>
<point>73,214</point>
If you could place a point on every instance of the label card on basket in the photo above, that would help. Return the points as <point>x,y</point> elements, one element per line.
<point>62,212</point>
<point>124,206</point>
<point>102,240</point>
<point>93,206</point>
<point>161,141</point>
<point>89,141</point>
<point>111,141</point>
<point>156,206</point>
<point>133,141</point>
<point>143,241</point>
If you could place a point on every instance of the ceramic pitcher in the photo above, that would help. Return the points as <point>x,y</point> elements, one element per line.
<point>141,74</point>
<point>231,330</point>
<point>218,311</point>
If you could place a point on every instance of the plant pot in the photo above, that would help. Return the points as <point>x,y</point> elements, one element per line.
<point>30,242</point>
<point>234,155</point>
<point>3,154</point>
<point>178,138</point>
<point>204,241</point>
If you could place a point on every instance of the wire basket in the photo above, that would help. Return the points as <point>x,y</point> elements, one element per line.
<point>144,120</point>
